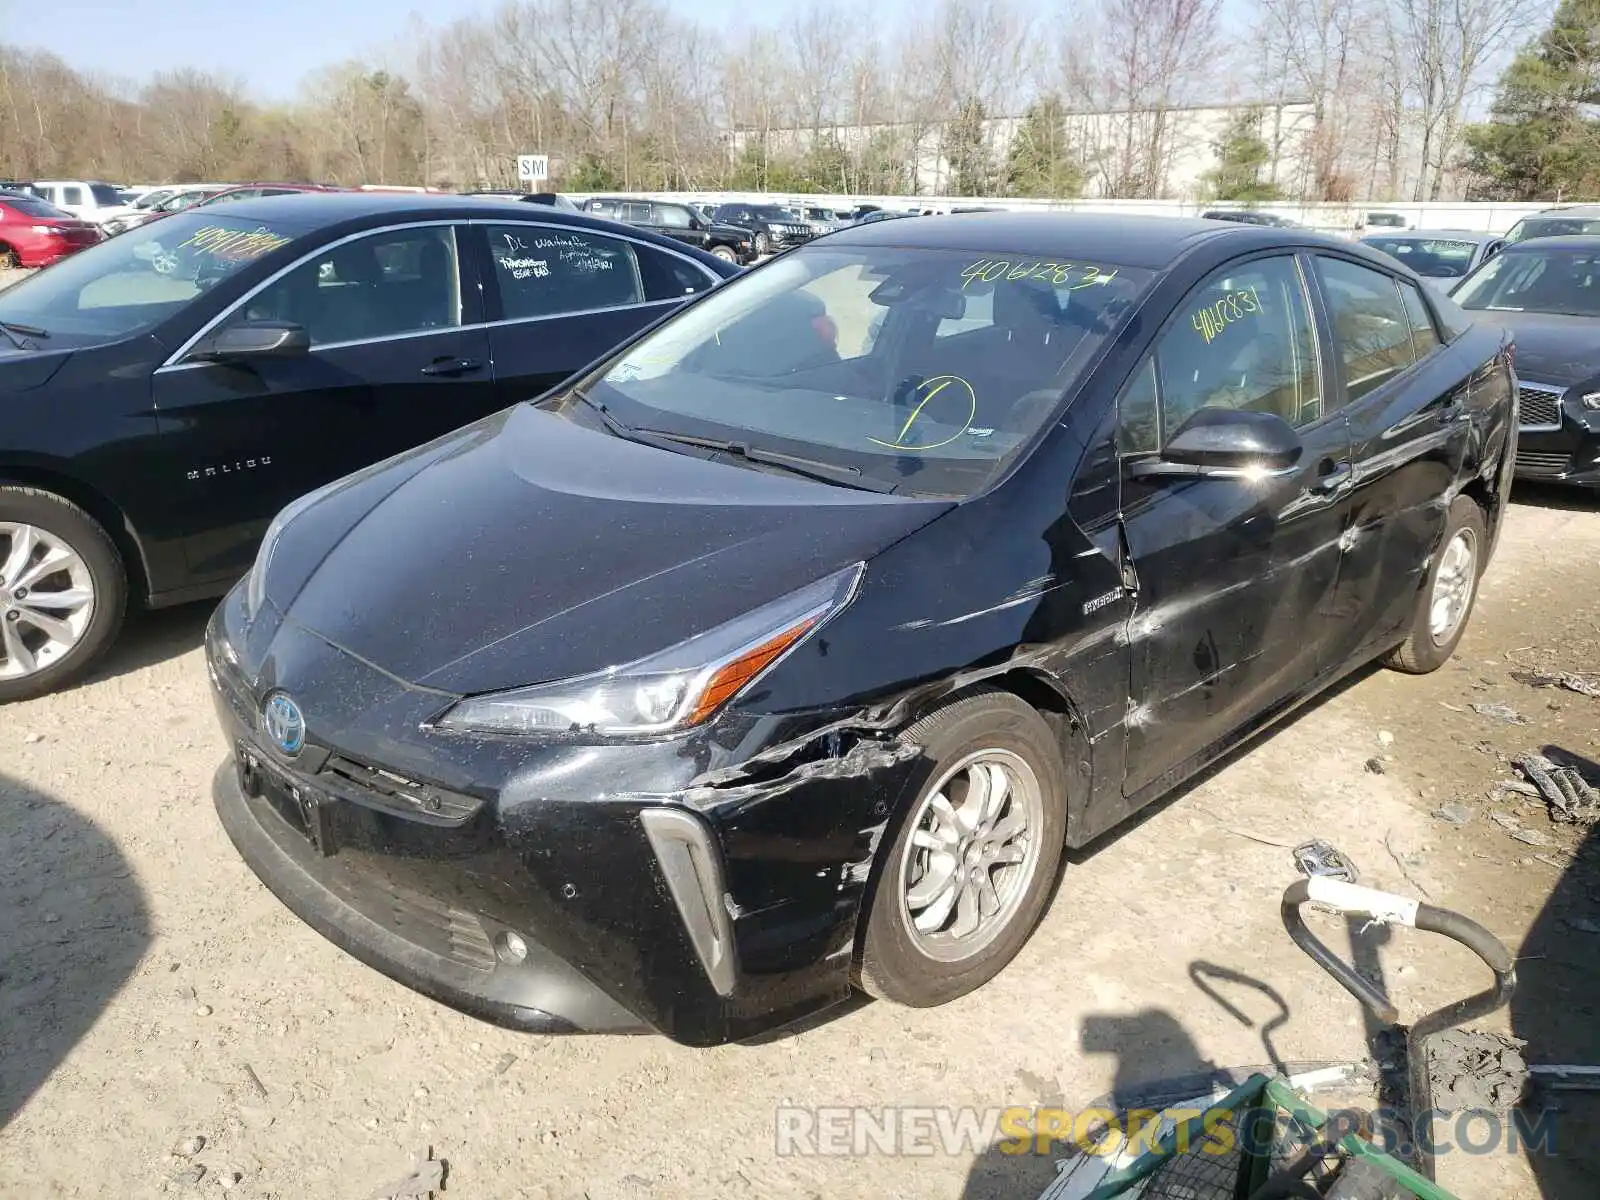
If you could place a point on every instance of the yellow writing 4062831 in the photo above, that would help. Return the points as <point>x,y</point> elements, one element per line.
<point>1016,270</point>
<point>1212,319</point>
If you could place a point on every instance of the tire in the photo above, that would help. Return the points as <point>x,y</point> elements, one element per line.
<point>10,260</point>
<point>725,253</point>
<point>763,245</point>
<point>920,969</point>
<point>53,524</point>
<point>1428,647</point>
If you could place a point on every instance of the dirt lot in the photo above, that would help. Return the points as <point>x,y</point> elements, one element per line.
<point>153,992</point>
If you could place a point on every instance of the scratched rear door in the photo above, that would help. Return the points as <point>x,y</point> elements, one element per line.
<point>1235,576</point>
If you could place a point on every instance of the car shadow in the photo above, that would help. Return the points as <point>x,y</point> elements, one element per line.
<point>153,637</point>
<point>1556,1009</point>
<point>74,924</point>
<point>1554,495</point>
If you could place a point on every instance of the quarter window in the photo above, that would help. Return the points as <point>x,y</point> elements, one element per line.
<point>1424,337</point>
<point>386,284</point>
<point>1243,339</point>
<point>1371,328</point>
<point>668,277</point>
<point>547,270</point>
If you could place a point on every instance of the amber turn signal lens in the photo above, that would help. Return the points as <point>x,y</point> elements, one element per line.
<point>729,679</point>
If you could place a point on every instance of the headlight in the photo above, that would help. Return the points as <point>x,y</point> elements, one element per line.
<point>256,587</point>
<point>1591,400</point>
<point>676,689</point>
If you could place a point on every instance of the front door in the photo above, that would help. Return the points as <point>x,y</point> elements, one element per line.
<point>399,355</point>
<point>1234,576</point>
<point>562,297</point>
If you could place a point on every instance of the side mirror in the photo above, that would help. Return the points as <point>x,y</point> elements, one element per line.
<point>254,339</point>
<point>1492,249</point>
<point>1227,443</point>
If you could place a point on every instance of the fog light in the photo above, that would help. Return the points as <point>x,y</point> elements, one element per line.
<point>509,947</point>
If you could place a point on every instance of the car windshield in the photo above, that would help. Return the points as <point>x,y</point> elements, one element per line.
<point>136,280</point>
<point>34,206</point>
<point>1553,281</point>
<point>1428,256</point>
<point>1543,227</point>
<point>923,371</point>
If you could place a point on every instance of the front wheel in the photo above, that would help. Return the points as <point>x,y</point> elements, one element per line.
<point>9,259</point>
<point>763,245</point>
<point>725,253</point>
<point>62,592</point>
<point>1448,595</point>
<point>967,876</point>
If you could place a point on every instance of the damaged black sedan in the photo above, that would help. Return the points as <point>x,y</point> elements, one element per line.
<point>785,651</point>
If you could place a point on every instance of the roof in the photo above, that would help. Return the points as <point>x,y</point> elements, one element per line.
<point>1574,242</point>
<point>1569,210</point>
<point>1133,241</point>
<point>1427,235</point>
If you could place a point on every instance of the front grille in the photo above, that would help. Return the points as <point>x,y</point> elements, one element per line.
<point>377,788</point>
<point>1541,405</point>
<point>1537,462</point>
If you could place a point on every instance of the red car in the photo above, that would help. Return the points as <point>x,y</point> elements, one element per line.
<point>35,233</point>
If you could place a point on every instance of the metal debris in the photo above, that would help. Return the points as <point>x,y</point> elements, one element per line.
<point>254,1081</point>
<point>1570,798</point>
<point>1500,712</point>
<point>425,1178</point>
<point>1375,766</point>
<point>1321,859</point>
<point>1563,679</point>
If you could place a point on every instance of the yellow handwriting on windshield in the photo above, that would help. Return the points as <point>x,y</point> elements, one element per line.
<point>953,404</point>
<point>235,243</point>
<point>1212,319</point>
<point>1071,276</point>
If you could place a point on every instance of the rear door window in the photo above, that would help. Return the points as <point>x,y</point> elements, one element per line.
<point>1371,328</point>
<point>548,270</point>
<point>71,195</point>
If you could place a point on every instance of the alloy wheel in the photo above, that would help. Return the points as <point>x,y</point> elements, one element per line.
<point>46,599</point>
<point>972,853</point>
<point>1453,584</point>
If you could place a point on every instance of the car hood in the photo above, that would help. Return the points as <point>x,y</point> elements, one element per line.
<point>1551,348</point>
<point>23,370</point>
<point>527,548</point>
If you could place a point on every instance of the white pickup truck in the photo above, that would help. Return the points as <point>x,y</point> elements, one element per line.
<point>89,201</point>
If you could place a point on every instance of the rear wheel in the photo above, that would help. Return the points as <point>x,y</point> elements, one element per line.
<point>62,592</point>
<point>10,260</point>
<point>725,253</point>
<point>763,245</point>
<point>959,890</point>
<point>1446,599</point>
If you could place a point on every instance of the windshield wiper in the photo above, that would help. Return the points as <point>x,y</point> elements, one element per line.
<point>617,428</point>
<point>17,333</point>
<point>810,468</point>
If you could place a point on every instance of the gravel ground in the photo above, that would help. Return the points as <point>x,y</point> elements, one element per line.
<point>166,1025</point>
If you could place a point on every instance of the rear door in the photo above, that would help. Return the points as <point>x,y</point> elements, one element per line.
<point>1406,397</point>
<point>560,297</point>
<point>399,355</point>
<point>1235,576</point>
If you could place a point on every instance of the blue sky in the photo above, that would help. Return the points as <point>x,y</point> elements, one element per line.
<point>271,47</point>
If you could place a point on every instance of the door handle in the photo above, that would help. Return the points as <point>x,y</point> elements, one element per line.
<point>1332,478</point>
<point>451,366</point>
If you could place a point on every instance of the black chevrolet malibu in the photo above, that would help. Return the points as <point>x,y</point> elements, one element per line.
<point>1546,291</point>
<point>784,651</point>
<point>163,394</point>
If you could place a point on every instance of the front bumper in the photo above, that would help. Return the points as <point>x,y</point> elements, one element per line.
<point>574,888</point>
<point>1570,454</point>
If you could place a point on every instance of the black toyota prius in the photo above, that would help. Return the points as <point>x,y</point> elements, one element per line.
<point>783,652</point>
<point>164,393</point>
